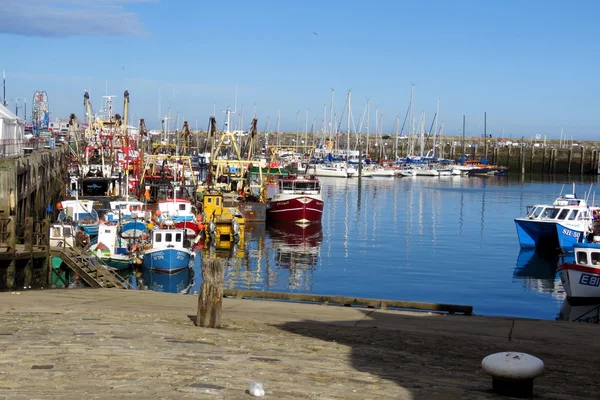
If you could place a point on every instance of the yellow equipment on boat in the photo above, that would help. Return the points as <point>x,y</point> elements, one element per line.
<point>222,224</point>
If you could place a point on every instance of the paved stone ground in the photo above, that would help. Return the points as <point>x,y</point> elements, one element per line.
<point>105,344</point>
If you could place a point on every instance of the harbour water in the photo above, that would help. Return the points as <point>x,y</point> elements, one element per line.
<point>446,240</point>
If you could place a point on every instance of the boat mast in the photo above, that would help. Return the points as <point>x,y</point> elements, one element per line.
<point>411,123</point>
<point>331,116</point>
<point>348,131</point>
<point>437,110</point>
<point>485,136</point>
<point>422,134</point>
<point>397,137</point>
<point>297,124</point>
<point>368,123</point>
<point>306,129</point>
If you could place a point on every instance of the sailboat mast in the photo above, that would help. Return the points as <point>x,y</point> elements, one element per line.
<point>368,123</point>
<point>484,135</point>
<point>331,116</point>
<point>348,131</point>
<point>397,137</point>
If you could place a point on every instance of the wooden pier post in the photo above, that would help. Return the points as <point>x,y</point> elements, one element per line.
<point>594,162</point>
<point>531,160</point>
<point>582,160</point>
<point>570,159</point>
<point>508,158</point>
<point>210,301</point>
<point>553,161</point>
<point>522,160</point>
<point>544,161</point>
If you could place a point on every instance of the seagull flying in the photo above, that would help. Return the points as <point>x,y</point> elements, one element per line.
<point>315,33</point>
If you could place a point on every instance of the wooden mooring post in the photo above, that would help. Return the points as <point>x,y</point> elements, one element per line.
<point>210,301</point>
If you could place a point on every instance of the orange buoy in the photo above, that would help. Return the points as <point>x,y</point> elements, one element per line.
<point>200,226</point>
<point>158,213</point>
<point>59,206</point>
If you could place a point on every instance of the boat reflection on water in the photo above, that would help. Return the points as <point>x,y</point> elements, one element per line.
<point>296,246</point>
<point>585,310</point>
<point>297,249</point>
<point>537,271</point>
<point>176,281</point>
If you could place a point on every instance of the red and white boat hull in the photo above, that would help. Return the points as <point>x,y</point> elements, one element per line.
<point>191,228</point>
<point>580,280</point>
<point>299,209</point>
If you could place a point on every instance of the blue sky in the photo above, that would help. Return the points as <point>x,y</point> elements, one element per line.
<point>531,65</point>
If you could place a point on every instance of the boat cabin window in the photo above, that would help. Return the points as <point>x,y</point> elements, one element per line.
<point>537,212</point>
<point>158,238</point>
<point>217,201</point>
<point>178,237</point>
<point>582,257</point>
<point>584,215</point>
<point>168,237</point>
<point>595,258</point>
<point>550,213</point>
<point>563,214</point>
<point>67,231</point>
<point>573,215</point>
<point>287,185</point>
<point>56,232</point>
<point>182,207</point>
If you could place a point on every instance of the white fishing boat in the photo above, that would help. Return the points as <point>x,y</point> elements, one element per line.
<point>581,279</point>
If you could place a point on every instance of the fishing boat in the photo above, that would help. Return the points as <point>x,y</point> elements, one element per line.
<point>81,213</point>
<point>181,214</point>
<point>568,220</point>
<point>166,253</point>
<point>295,199</point>
<point>113,250</point>
<point>581,279</point>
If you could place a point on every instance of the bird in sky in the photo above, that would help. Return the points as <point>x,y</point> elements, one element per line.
<point>123,68</point>
<point>315,33</point>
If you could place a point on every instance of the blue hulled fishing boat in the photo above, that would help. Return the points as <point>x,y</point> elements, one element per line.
<point>167,254</point>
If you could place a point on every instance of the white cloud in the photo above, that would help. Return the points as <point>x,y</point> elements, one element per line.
<point>62,18</point>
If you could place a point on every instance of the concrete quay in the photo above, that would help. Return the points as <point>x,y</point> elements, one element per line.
<point>113,344</point>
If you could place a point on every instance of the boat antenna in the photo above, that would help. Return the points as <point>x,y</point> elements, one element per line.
<point>561,190</point>
<point>589,191</point>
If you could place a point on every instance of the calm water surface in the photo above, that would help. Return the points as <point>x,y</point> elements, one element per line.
<point>447,240</point>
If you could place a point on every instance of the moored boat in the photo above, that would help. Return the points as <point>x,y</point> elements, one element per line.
<point>82,213</point>
<point>295,199</point>
<point>581,279</point>
<point>167,253</point>
<point>568,220</point>
<point>179,213</point>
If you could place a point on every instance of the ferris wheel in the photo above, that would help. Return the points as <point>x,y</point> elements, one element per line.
<point>41,111</point>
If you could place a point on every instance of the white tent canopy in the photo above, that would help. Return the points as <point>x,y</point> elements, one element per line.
<point>12,131</point>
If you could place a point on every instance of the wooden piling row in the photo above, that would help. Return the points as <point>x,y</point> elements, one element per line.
<point>27,185</point>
